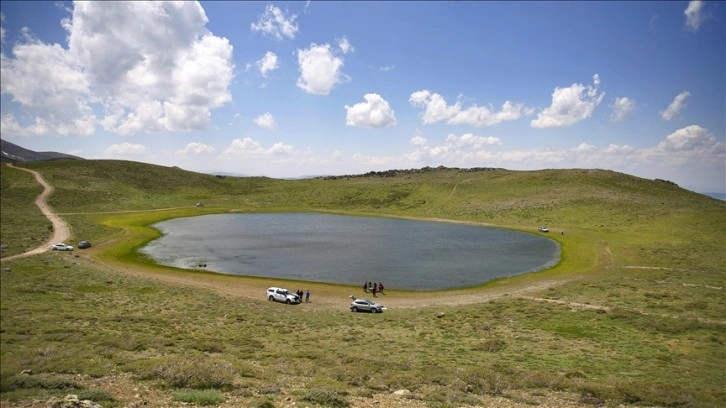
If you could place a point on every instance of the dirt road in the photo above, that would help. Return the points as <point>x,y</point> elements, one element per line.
<point>61,231</point>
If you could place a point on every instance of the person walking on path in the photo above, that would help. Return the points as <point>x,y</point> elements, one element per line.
<point>307,296</point>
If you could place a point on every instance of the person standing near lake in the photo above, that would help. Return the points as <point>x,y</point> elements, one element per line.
<point>365,287</point>
<point>380,287</point>
<point>307,296</point>
<point>373,289</point>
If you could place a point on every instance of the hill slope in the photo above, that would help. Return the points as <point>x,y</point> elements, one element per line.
<point>632,315</point>
<point>645,215</point>
<point>13,153</point>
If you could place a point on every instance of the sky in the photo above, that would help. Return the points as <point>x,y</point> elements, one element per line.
<point>300,89</point>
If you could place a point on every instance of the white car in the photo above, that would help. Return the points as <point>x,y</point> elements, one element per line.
<point>365,305</point>
<point>543,229</point>
<point>282,295</point>
<point>61,247</point>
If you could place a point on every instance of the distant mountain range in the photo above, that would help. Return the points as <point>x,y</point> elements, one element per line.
<point>718,196</point>
<point>12,153</point>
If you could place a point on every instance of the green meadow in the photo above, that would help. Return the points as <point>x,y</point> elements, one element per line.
<point>634,313</point>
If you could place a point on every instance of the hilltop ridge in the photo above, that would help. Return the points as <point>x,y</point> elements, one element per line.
<point>12,153</point>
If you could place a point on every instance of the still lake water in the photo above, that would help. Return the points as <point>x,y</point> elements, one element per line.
<point>403,254</point>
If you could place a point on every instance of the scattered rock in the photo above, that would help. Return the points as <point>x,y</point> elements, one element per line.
<point>72,401</point>
<point>440,314</point>
<point>402,393</point>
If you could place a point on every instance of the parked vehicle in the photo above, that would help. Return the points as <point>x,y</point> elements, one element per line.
<point>365,305</point>
<point>282,295</point>
<point>543,229</point>
<point>61,247</point>
<point>84,245</point>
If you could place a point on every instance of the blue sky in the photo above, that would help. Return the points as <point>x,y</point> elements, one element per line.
<point>294,89</point>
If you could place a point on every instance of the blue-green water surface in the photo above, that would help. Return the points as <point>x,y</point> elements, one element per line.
<point>403,254</point>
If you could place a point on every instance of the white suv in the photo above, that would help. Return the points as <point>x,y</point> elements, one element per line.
<point>282,295</point>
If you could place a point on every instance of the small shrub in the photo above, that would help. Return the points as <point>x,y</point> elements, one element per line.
<point>329,384</point>
<point>575,374</point>
<point>198,373</point>
<point>262,402</point>
<point>491,346</point>
<point>95,395</point>
<point>488,380</point>
<point>444,398</point>
<point>326,398</point>
<point>269,389</point>
<point>199,397</point>
<point>39,382</point>
<point>641,393</point>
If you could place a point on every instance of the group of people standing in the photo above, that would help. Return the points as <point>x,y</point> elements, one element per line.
<point>300,293</point>
<point>373,288</point>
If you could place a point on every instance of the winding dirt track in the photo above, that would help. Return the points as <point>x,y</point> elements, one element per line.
<point>61,231</point>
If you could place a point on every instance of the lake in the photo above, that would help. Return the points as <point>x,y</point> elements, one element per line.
<point>403,254</point>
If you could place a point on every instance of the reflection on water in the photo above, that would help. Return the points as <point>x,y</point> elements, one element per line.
<point>403,254</point>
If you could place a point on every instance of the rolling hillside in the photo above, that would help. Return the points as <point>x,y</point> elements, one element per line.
<point>644,213</point>
<point>632,315</point>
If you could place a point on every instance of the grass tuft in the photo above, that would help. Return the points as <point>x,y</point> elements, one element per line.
<point>199,397</point>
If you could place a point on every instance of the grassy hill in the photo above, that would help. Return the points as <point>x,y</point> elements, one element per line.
<point>638,317</point>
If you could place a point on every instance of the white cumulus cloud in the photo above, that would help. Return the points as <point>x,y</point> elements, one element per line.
<point>149,66</point>
<point>195,148</point>
<point>245,146</point>
<point>694,14</point>
<point>152,54</point>
<point>487,116</point>
<point>375,112</point>
<point>470,140</point>
<point>345,46</point>
<point>437,109</point>
<point>679,102</point>
<point>50,86</point>
<point>419,141</point>
<point>268,63</point>
<point>690,138</point>
<point>127,149</point>
<point>622,107</point>
<point>276,23</point>
<point>251,149</point>
<point>320,69</point>
<point>464,150</point>
<point>265,121</point>
<point>570,105</point>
